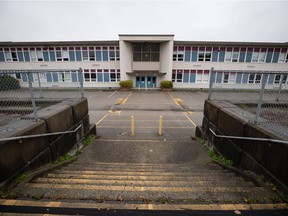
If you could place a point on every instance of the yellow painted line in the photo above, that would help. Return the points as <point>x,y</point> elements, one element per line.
<point>126,99</point>
<point>146,127</point>
<point>144,206</point>
<point>134,188</point>
<point>101,119</point>
<point>190,120</point>
<point>114,112</point>
<point>119,101</point>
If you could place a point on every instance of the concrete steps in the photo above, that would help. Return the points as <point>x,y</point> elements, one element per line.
<point>136,182</point>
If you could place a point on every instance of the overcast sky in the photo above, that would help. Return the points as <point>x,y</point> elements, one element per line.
<point>262,21</point>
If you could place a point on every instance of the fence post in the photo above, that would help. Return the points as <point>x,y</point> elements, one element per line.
<point>80,78</point>
<point>160,125</point>
<point>39,84</point>
<point>30,79</point>
<point>280,87</point>
<point>210,83</point>
<point>260,101</point>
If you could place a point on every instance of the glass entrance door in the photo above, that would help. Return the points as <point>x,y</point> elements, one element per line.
<point>151,82</point>
<point>140,81</point>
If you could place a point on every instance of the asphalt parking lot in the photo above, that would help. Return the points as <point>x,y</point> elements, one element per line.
<point>111,111</point>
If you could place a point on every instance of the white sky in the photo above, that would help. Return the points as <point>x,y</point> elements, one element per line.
<point>262,21</point>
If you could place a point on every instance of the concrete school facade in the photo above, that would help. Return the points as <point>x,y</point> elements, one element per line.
<point>147,60</point>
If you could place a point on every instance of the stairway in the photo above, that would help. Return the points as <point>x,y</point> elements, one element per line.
<point>190,182</point>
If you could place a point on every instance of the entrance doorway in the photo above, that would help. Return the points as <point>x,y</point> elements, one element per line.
<point>145,81</point>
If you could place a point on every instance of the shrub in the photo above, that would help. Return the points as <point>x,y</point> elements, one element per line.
<point>8,83</point>
<point>166,84</point>
<point>126,83</point>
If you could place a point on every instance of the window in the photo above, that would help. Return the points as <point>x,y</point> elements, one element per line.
<point>262,56</point>
<point>282,57</point>
<point>229,77</point>
<point>87,75</point>
<point>33,54</point>
<point>255,56</point>
<point>113,76</point>
<point>39,54</point>
<point>85,54</point>
<point>14,56</point>
<point>8,55</point>
<point>65,55</point>
<point>92,54</point>
<point>93,75</point>
<point>201,56</point>
<point>59,56</point>
<point>202,76</point>
<point>179,76</point>
<point>235,56</point>
<point>228,56</point>
<point>251,78</point>
<point>64,76</point>
<point>146,52</point>
<point>117,54</point>
<point>112,56</point>
<point>278,77</point>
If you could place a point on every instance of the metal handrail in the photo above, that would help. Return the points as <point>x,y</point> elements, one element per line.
<point>249,138</point>
<point>38,135</point>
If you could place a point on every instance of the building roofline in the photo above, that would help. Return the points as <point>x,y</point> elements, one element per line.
<point>230,43</point>
<point>58,43</point>
<point>148,35</point>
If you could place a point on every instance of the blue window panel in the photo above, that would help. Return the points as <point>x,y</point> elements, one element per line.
<point>55,77</point>
<point>46,56</point>
<point>219,77</point>
<point>242,57</point>
<point>245,78</point>
<point>105,55</point>
<point>100,77</point>
<point>238,77</point>
<point>52,56</point>
<point>26,56</point>
<point>74,77</point>
<point>49,77</point>
<point>78,56</point>
<point>20,56</point>
<point>192,77</point>
<point>72,56</point>
<point>221,56</point>
<point>248,57</point>
<point>106,77</point>
<point>24,77</point>
<point>194,55</point>
<point>275,57</point>
<point>2,59</point>
<point>271,78</point>
<point>187,56</point>
<point>186,78</point>
<point>98,56</point>
<point>214,56</point>
<point>269,57</point>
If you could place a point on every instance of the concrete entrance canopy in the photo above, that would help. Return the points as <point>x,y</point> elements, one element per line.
<point>161,68</point>
<point>145,73</point>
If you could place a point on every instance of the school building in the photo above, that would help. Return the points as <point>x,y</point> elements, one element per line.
<point>147,60</point>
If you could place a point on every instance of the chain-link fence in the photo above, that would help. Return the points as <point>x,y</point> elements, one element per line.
<point>263,94</point>
<point>26,92</point>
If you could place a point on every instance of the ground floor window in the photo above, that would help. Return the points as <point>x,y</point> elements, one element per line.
<point>190,76</point>
<point>101,75</point>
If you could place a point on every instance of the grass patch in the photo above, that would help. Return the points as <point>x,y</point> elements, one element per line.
<point>4,194</point>
<point>219,158</point>
<point>38,196</point>
<point>214,155</point>
<point>88,140</point>
<point>63,158</point>
<point>162,200</point>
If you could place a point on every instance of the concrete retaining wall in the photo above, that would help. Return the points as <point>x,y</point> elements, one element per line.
<point>21,155</point>
<point>269,159</point>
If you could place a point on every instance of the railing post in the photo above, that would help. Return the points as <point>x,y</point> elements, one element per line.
<point>260,101</point>
<point>210,83</point>
<point>132,126</point>
<point>30,79</point>
<point>80,78</point>
<point>280,87</point>
<point>160,125</point>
